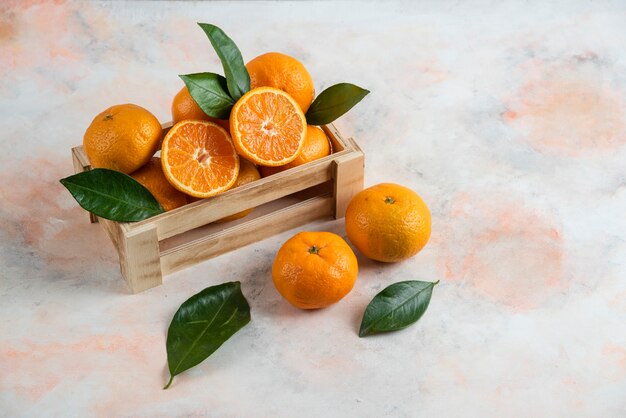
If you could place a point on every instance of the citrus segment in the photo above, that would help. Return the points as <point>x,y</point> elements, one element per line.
<point>199,158</point>
<point>268,126</point>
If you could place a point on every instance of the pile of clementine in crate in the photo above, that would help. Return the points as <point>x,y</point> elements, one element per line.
<point>258,119</point>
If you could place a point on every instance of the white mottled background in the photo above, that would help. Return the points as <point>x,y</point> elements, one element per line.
<point>507,117</point>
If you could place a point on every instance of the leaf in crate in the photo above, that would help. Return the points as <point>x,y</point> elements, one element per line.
<point>334,102</point>
<point>112,195</point>
<point>209,90</point>
<point>203,323</point>
<point>237,76</point>
<point>397,306</point>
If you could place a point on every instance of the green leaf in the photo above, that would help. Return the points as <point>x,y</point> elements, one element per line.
<point>112,195</point>
<point>209,90</point>
<point>203,323</point>
<point>397,306</point>
<point>237,76</point>
<point>334,102</point>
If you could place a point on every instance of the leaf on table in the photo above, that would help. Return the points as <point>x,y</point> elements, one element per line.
<point>112,195</point>
<point>397,306</point>
<point>237,77</point>
<point>210,91</point>
<point>203,323</point>
<point>334,102</point>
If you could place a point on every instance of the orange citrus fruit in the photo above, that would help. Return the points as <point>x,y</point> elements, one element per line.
<point>184,107</point>
<point>152,178</point>
<point>314,269</point>
<point>282,72</point>
<point>199,158</point>
<point>315,146</point>
<point>267,126</point>
<point>123,138</point>
<point>388,222</point>
<point>247,174</point>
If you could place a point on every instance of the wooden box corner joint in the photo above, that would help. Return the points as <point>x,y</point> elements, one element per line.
<point>168,242</point>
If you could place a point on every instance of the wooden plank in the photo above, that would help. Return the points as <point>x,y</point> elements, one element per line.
<point>139,258</point>
<point>349,177</point>
<point>240,235</point>
<point>114,231</point>
<point>243,197</point>
<point>81,163</point>
<point>337,142</point>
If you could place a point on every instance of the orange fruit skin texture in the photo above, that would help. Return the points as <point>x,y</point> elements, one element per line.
<point>267,127</point>
<point>184,107</point>
<point>314,280</point>
<point>315,146</point>
<point>123,138</point>
<point>388,222</point>
<point>247,174</point>
<point>199,159</point>
<point>152,178</point>
<point>282,72</point>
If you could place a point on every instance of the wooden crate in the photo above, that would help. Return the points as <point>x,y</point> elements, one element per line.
<point>182,237</point>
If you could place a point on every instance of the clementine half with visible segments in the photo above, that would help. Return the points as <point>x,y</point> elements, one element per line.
<point>267,126</point>
<point>314,269</point>
<point>199,158</point>
<point>388,222</point>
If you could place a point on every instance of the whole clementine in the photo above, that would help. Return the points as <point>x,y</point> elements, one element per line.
<point>152,178</point>
<point>314,269</point>
<point>123,138</point>
<point>184,107</point>
<point>283,72</point>
<point>315,146</point>
<point>388,222</point>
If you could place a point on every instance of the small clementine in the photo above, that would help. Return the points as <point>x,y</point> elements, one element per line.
<point>314,269</point>
<point>123,138</point>
<point>184,107</point>
<point>388,222</point>
<point>152,178</point>
<point>315,146</point>
<point>283,72</point>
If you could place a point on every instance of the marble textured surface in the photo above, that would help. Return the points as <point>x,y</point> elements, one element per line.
<point>507,117</point>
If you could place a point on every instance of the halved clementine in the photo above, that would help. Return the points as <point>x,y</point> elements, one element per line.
<point>268,126</point>
<point>199,158</point>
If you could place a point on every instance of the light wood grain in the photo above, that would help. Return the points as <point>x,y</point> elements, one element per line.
<point>139,258</point>
<point>238,236</point>
<point>337,142</point>
<point>81,163</point>
<point>348,173</point>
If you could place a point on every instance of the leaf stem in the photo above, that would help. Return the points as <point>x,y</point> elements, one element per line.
<point>169,382</point>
